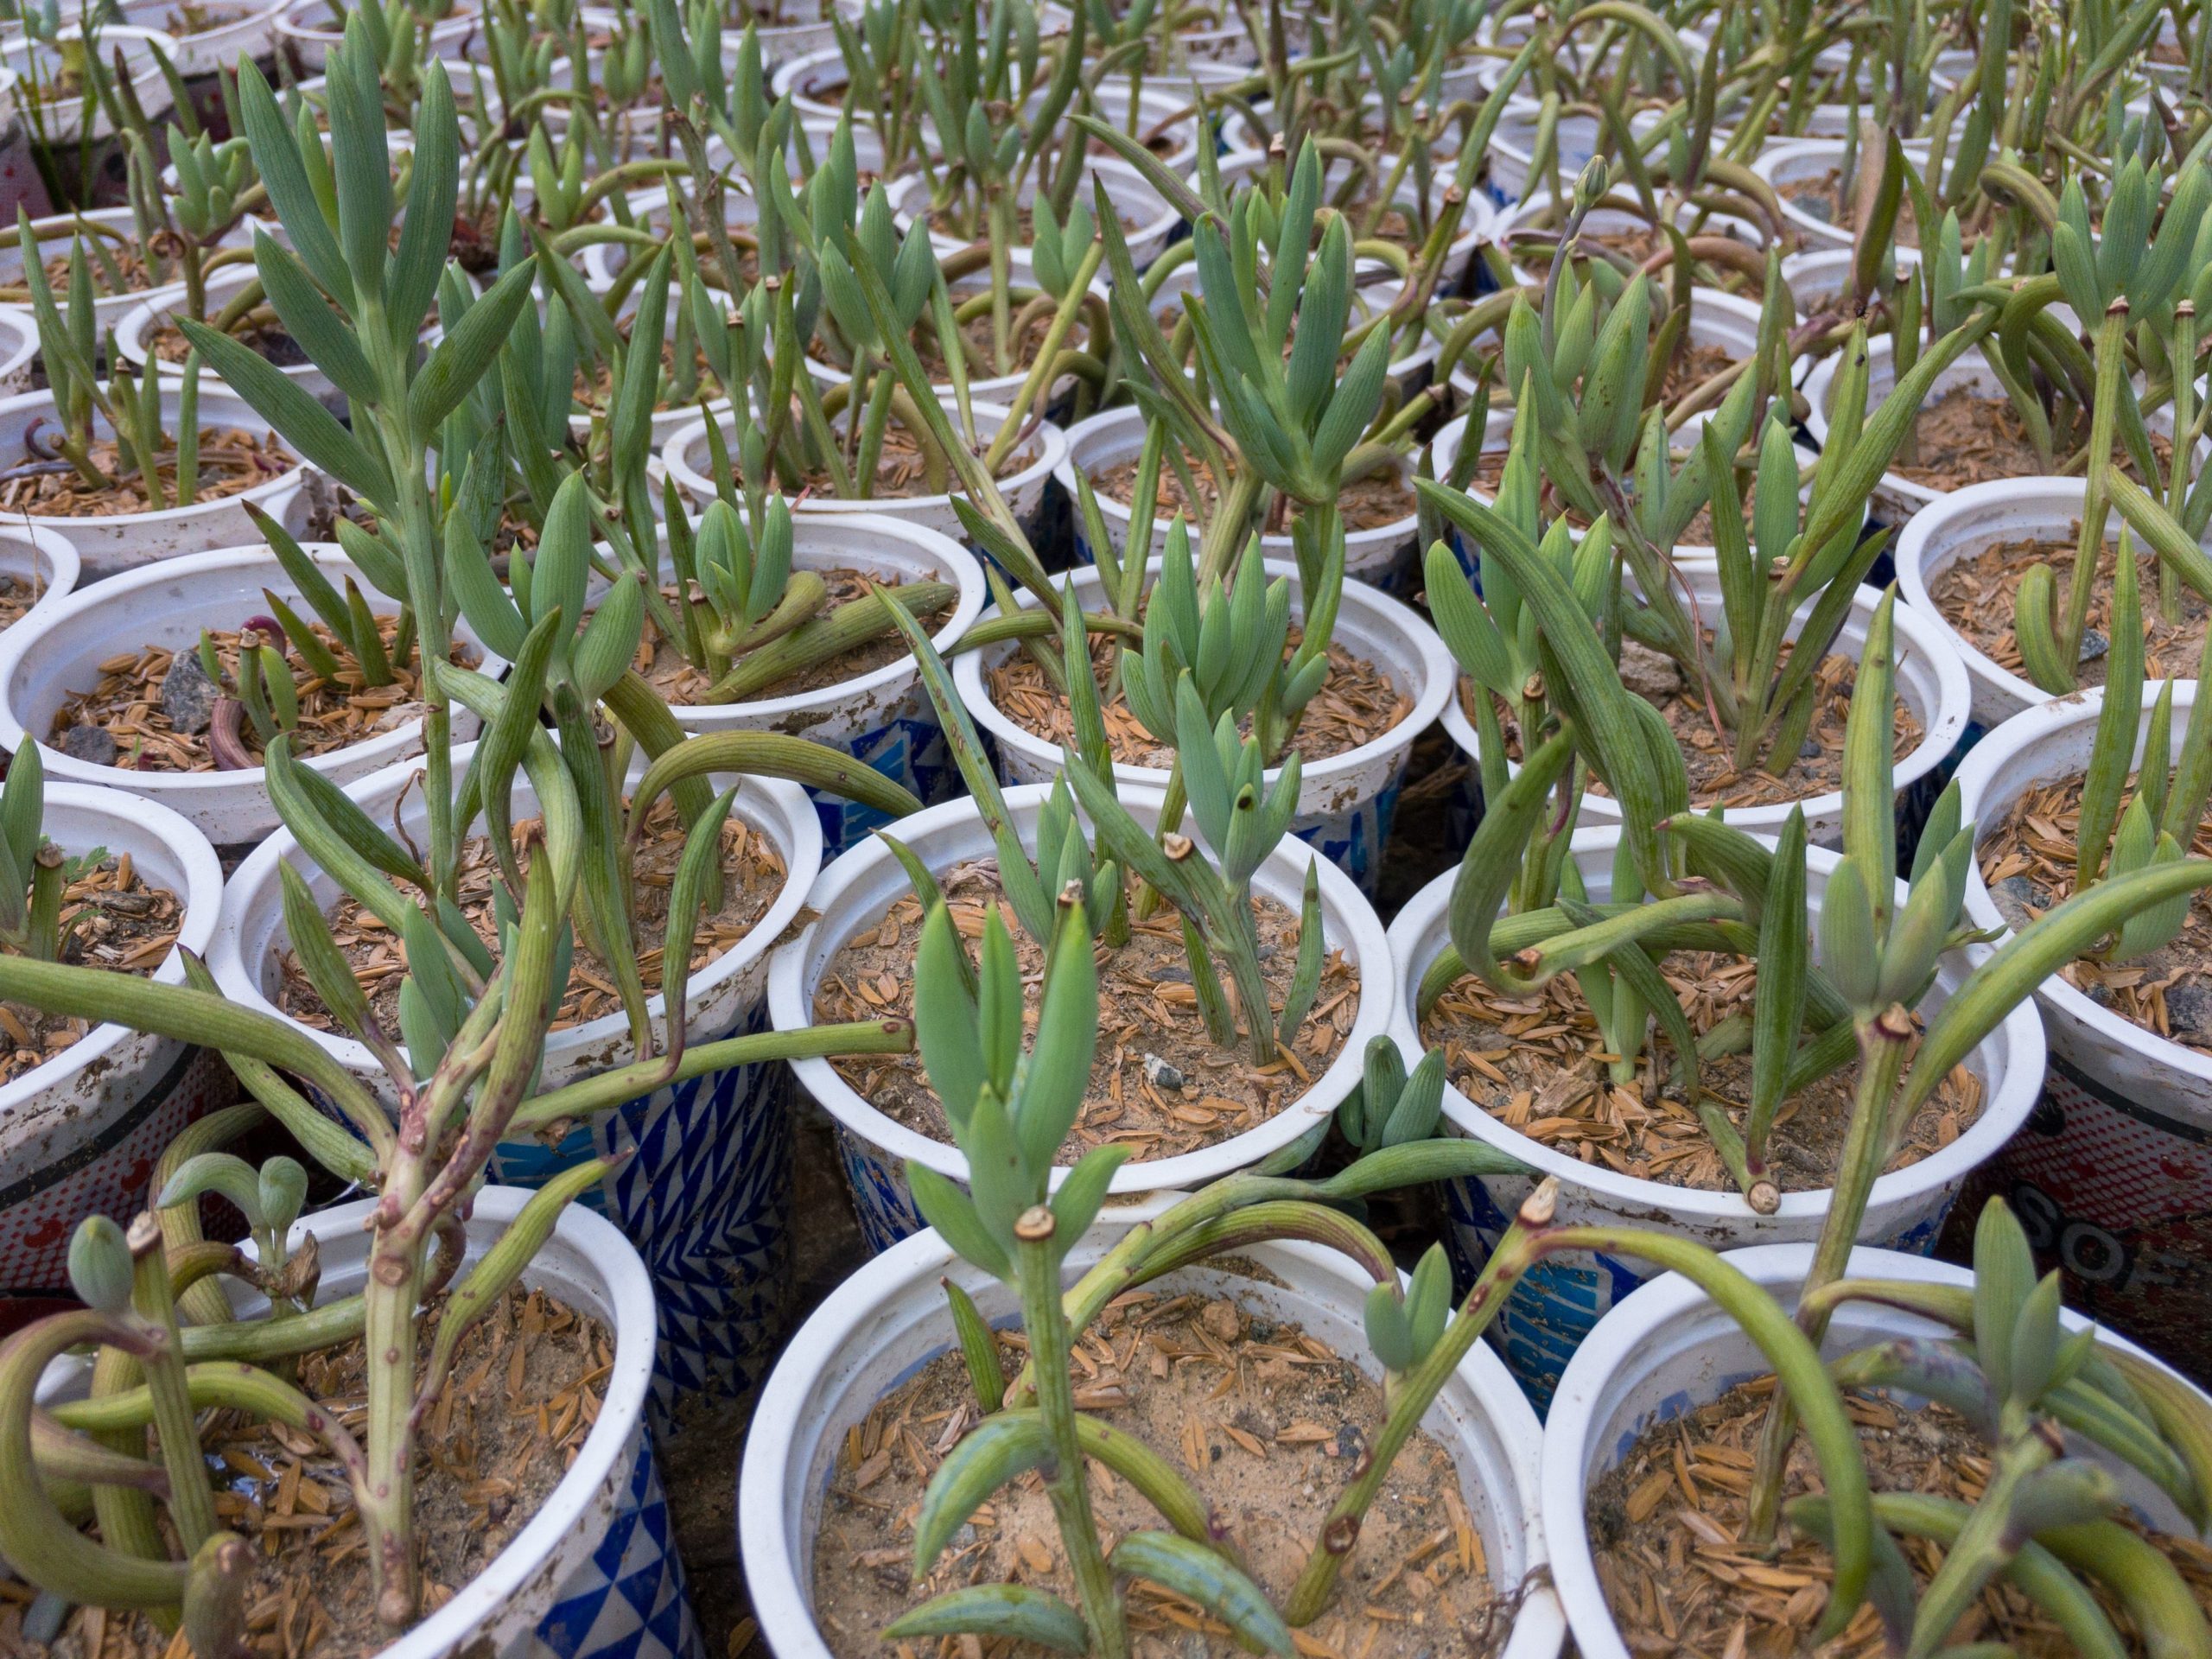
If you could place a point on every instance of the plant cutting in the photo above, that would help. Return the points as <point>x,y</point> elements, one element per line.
<point>2079,1518</point>
<point>2113,277</point>
<point>114,450</point>
<point>1745,692</point>
<point>281,1363</point>
<point>1278,420</point>
<point>1607,1096</point>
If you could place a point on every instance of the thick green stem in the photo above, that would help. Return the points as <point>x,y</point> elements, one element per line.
<point>2112,333</point>
<point>192,1500</point>
<point>1883,1041</point>
<point>1046,1322</point>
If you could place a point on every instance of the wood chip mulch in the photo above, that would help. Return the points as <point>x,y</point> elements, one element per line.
<point>1539,1065</point>
<point>127,702</point>
<point>230,463</point>
<point>2027,864</point>
<point>1355,705</point>
<point>527,1385</point>
<point>1667,1525</point>
<point>1266,1421</point>
<point>1146,1008</point>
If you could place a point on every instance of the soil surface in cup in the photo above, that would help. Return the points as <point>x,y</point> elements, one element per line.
<point>127,702</point>
<point>1148,1012</point>
<point>1265,1421</point>
<point>1829,200</point>
<point>526,1386</point>
<point>1355,705</point>
<point>1966,436</point>
<point>673,676</point>
<point>18,595</point>
<point>1374,502</point>
<point>268,339</point>
<point>1694,365</point>
<point>1537,1065</point>
<point>901,473</point>
<point>231,462</point>
<point>1665,1521</point>
<point>752,872</point>
<point>1978,596</point>
<point>111,917</point>
<point>2027,863</point>
<point>1715,778</point>
<point>129,261</point>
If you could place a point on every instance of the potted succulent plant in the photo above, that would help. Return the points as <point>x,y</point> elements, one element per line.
<point>2088,1519</point>
<point>1290,932</point>
<point>1007,1249</point>
<point>2058,815</point>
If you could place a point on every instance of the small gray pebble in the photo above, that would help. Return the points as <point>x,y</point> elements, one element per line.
<point>90,744</point>
<point>2093,644</point>
<point>187,695</point>
<point>2019,900</point>
<point>1349,1443</point>
<point>1160,1074</point>
<point>2189,1012</point>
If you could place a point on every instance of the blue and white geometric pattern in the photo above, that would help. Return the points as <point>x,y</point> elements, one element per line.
<point>1354,841</point>
<point>705,1199</point>
<point>880,1199</point>
<point>909,749</point>
<point>628,1601</point>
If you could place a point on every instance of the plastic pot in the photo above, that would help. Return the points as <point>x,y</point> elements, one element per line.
<point>1806,161</point>
<point>1959,525</point>
<point>705,1197</point>
<point>1382,558</point>
<point>46,561</point>
<point>855,891</point>
<point>2112,1175</point>
<point>1528,216</point>
<point>1897,497</point>
<point>1551,1314</point>
<point>56,121</point>
<point>599,1559</point>
<point>1151,219</point>
<point>882,717</point>
<point>242,29</point>
<point>125,541</point>
<point>1345,802</point>
<point>309,29</point>
<point>167,604</point>
<point>888,1319</point>
<point>79,1134</point>
<point>1023,486</point>
<point>1820,280</point>
<point>1666,1350</point>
